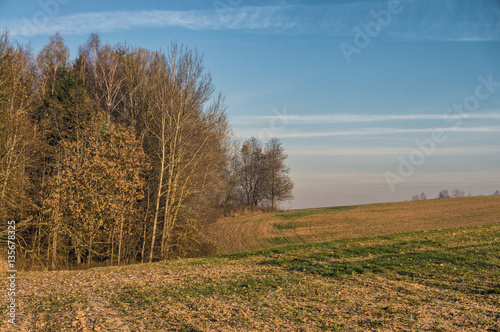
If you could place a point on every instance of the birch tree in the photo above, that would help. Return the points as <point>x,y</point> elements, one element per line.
<point>181,129</point>
<point>102,66</point>
<point>50,60</point>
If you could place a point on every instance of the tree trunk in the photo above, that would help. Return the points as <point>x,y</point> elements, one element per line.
<point>143,244</point>
<point>158,196</point>
<point>89,258</point>
<point>171,187</point>
<point>120,240</point>
<point>54,249</point>
<point>112,246</point>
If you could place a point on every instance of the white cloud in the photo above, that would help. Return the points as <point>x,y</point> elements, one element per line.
<point>366,131</point>
<point>352,118</point>
<point>385,151</point>
<point>419,20</point>
<point>251,18</point>
<point>422,179</point>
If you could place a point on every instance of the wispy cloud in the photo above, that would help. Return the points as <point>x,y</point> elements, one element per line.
<point>384,151</point>
<point>388,131</point>
<point>354,118</point>
<point>244,18</point>
<point>422,180</point>
<point>373,131</point>
<point>419,20</point>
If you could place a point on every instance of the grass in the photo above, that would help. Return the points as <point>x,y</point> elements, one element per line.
<point>287,225</point>
<point>432,280</point>
<point>309,212</point>
<point>54,309</point>
<point>447,259</point>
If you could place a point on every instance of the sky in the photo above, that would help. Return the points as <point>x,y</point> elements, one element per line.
<point>374,101</point>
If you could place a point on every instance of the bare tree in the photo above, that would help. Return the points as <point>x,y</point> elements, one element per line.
<point>135,81</point>
<point>257,176</point>
<point>457,193</point>
<point>278,185</point>
<point>52,58</point>
<point>17,135</point>
<point>253,171</point>
<point>157,129</point>
<point>444,194</point>
<point>103,68</point>
<point>420,197</point>
<point>182,136</point>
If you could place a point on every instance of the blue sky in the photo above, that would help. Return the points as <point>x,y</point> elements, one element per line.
<point>374,101</point>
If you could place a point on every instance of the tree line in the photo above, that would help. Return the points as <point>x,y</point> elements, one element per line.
<point>121,155</point>
<point>446,194</point>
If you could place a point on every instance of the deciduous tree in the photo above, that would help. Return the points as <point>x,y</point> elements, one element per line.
<point>278,185</point>
<point>17,134</point>
<point>186,139</point>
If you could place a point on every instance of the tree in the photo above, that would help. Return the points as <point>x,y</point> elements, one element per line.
<point>278,185</point>
<point>94,196</point>
<point>65,116</point>
<point>182,135</point>
<point>257,176</point>
<point>136,78</point>
<point>252,172</point>
<point>420,197</point>
<point>102,66</point>
<point>67,109</point>
<point>496,193</point>
<point>52,58</point>
<point>17,134</point>
<point>444,194</point>
<point>457,193</point>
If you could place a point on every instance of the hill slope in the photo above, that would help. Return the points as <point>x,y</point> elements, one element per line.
<point>268,230</point>
<point>443,280</point>
<point>439,280</point>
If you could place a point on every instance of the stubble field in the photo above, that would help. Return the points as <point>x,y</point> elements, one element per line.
<point>267,230</point>
<point>434,267</point>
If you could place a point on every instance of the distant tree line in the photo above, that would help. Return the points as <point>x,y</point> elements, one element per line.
<point>445,194</point>
<point>122,155</point>
<point>420,197</point>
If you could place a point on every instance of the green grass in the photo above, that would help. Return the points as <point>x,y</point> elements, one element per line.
<point>54,310</point>
<point>285,225</point>
<point>309,212</point>
<point>466,259</point>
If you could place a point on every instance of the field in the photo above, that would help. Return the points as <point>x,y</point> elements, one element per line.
<point>402,273</point>
<point>267,230</point>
